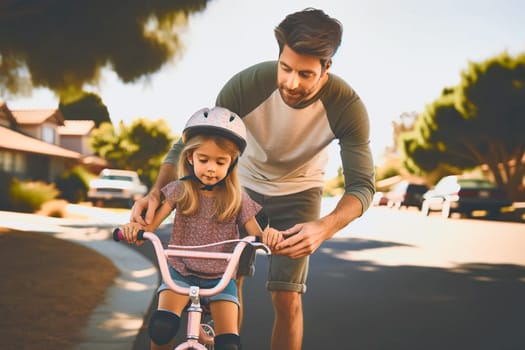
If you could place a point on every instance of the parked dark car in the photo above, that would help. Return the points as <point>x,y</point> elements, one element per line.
<point>406,194</point>
<point>379,199</point>
<point>453,194</point>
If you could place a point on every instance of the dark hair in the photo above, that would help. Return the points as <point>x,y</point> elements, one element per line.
<point>310,32</point>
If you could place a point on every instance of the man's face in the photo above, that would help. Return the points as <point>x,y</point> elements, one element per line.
<point>299,76</point>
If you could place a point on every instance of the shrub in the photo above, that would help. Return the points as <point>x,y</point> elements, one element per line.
<point>73,185</point>
<point>55,209</point>
<point>29,196</point>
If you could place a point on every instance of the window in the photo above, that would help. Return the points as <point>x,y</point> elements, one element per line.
<point>6,161</point>
<point>13,163</point>
<point>20,164</point>
<point>48,134</point>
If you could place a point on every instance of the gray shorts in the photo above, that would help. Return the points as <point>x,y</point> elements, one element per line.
<point>283,212</point>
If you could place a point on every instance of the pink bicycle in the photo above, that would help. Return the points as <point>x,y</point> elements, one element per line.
<point>199,335</point>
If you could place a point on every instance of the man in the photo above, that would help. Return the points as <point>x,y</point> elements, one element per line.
<point>293,109</point>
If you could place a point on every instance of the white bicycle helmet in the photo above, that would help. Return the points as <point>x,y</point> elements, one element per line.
<point>217,120</point>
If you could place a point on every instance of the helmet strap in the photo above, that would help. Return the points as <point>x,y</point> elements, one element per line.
<point>204,186</point>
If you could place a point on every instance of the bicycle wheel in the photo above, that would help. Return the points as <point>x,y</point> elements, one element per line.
<point>207,332</point>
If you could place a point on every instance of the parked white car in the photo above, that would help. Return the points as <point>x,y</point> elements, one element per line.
<point>116,186</point>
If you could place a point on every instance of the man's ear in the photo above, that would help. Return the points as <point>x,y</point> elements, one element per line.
<point>328,64</point>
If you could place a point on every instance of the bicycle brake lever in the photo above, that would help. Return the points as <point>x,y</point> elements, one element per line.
<point>260,245</point>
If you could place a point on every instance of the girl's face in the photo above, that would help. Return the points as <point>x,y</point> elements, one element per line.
<point>210,162</point>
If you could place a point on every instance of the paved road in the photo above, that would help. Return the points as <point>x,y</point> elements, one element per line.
<point>397,280</point>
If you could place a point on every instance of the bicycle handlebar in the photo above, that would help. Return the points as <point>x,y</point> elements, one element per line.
<point>187,252</point>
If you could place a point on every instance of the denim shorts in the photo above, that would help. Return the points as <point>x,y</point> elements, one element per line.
<point>283,212</point>
<point>228,294</point>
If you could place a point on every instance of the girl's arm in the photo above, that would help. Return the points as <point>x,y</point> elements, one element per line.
<point>253,228</point>
<point>270,236</point>
<point>131,229</point>
<point>162,213</point>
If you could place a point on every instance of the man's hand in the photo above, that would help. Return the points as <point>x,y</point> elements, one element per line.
<point>149,203</point>
<point>302,239</point>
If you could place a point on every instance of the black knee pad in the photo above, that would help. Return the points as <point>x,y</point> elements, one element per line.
<point>227,341</point>
<point>163,326</point>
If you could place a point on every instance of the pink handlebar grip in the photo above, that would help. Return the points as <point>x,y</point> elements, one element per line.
<point>118,235</point>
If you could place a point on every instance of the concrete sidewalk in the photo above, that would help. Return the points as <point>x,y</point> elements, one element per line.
<point>115,323</point>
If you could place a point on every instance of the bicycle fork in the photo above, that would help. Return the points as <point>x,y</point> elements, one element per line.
<point>194,314</point>
<point>195,335</point>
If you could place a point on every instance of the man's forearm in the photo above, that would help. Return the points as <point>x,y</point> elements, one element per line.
<point>167,173</point>
<point>347,210</point>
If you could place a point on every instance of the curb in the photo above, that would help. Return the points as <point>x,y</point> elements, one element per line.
<point>116,322</point>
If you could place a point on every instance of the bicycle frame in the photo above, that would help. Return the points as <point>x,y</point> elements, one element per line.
<point>194,311</point>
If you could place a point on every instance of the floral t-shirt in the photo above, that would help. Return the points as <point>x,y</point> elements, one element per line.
<point>203,228</point>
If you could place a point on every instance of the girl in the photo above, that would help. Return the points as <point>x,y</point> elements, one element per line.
<point>209,205</point>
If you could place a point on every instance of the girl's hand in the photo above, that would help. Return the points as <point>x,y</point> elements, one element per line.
<point>130,232</point>
<point>271,237</point>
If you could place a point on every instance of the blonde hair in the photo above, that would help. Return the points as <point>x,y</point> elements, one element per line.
<point>228,193</point>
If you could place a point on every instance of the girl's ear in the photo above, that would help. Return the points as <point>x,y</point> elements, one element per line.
<point>189,158</point>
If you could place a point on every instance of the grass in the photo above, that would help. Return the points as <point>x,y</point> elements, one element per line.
<point>49,288</point>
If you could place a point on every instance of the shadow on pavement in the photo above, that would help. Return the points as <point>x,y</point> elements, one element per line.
<point>365,306</point>
<point>361,305</point>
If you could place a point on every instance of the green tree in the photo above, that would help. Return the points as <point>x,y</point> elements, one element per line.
<point>493,99</point>
<point>64,44</point>
<point>140,147</point>
<point>88,106</point>
<point>478,122</point>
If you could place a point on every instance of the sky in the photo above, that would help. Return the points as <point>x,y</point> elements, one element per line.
<point>397,55</point>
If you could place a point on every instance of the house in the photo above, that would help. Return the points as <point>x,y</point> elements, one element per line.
<point>30,144</point>
<point>74,135</point>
